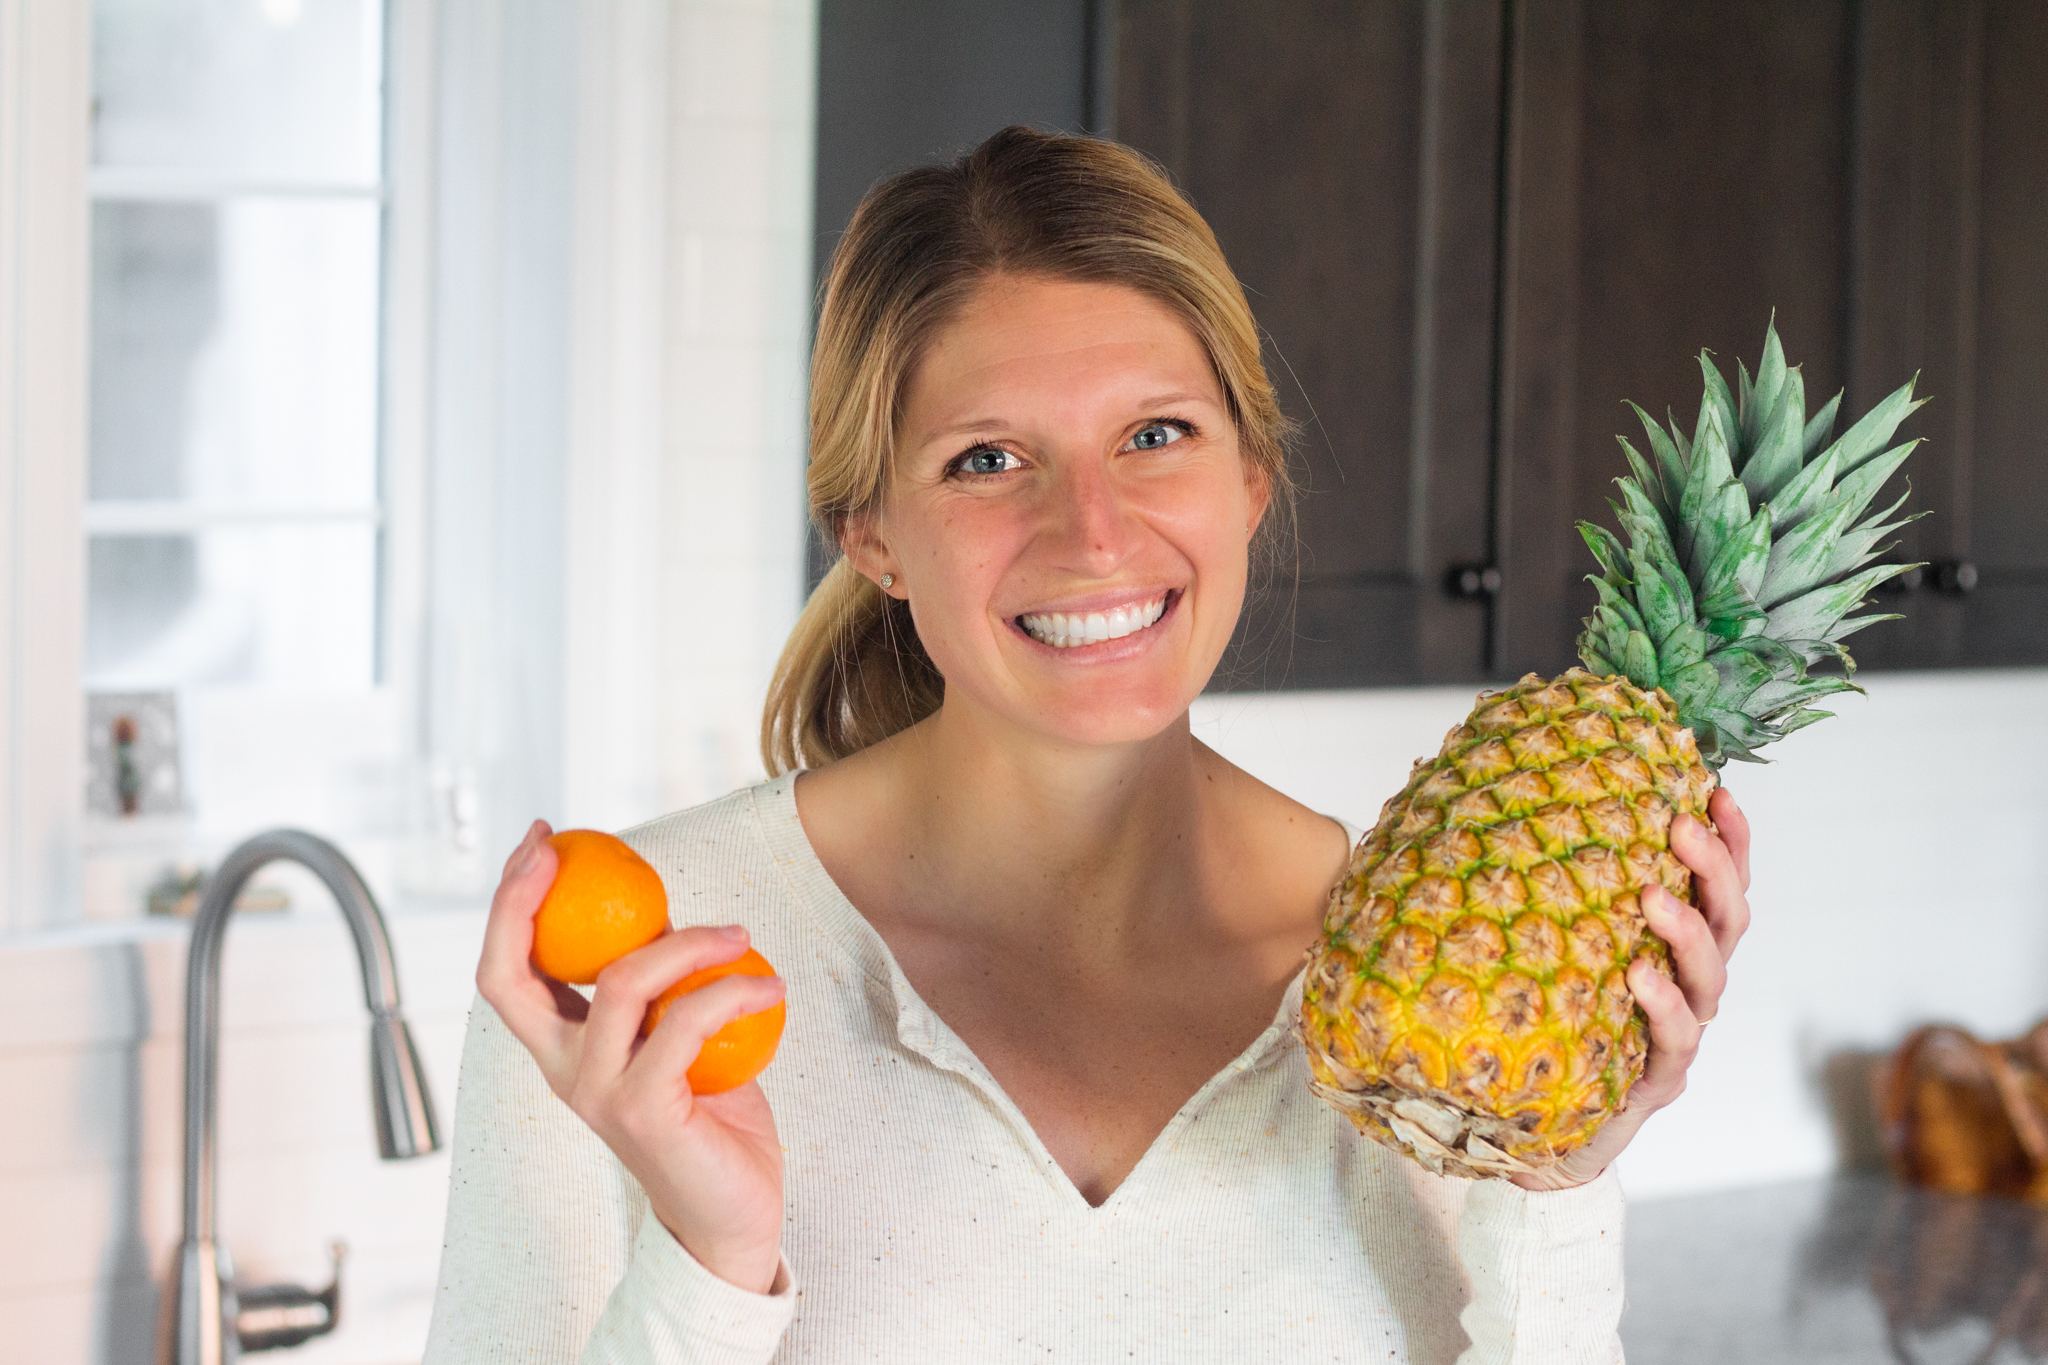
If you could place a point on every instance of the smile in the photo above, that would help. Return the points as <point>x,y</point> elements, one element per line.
<point>1065,630</point>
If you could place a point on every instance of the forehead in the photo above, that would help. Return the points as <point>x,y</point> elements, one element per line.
<point>1037,338</point>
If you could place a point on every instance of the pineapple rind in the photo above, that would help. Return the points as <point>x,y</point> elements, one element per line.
<point>1467,1002</point>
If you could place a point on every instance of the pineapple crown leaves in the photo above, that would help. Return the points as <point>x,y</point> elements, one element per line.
<point>1746,550</point>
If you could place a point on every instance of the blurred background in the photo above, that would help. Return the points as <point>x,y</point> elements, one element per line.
<point>402,436</point>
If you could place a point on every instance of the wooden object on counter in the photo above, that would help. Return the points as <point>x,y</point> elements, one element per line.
<point>1968,1117</point>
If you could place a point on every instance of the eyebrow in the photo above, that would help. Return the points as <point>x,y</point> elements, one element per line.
<point>982,424</point>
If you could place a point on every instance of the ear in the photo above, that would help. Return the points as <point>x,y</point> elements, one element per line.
<point>867,549</point>
<point>1258,487</point>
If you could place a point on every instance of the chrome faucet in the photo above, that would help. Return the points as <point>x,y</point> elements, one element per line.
<point>206,1325</point>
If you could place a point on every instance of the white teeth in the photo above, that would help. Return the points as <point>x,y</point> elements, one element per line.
<point>1064,630</point>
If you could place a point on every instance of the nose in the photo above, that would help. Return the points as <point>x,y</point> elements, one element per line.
<point>1091,524</point>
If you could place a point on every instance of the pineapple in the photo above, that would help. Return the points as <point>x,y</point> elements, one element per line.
<point>1467,1002</point>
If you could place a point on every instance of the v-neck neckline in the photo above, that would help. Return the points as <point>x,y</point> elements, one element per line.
<point>920,1028</point>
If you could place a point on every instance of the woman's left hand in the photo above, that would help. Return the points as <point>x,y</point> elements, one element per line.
<point>1702,940</point>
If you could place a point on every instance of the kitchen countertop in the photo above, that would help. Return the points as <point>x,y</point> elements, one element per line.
<point>1841,1270</point>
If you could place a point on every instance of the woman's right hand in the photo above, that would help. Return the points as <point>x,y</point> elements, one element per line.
<point>711,1164</point>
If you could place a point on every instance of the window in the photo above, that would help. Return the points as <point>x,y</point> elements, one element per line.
<point>402,478</point>
<point>237,511</point>
<point>233,513</point>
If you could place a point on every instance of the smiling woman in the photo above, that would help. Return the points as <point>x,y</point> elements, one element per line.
<point>1040,1094</point>
<point>1021,209</point>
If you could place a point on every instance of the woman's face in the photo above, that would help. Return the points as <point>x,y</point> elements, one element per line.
<point>1069,517</point>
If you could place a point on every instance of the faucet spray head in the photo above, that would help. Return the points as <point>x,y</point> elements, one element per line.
<point>405,1111</point>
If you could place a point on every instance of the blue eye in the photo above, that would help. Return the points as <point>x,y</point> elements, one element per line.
<point>988,460</point>
<point>1157,434</point>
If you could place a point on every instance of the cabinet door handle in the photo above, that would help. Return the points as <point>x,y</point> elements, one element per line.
<point>1952,577</point>
<point>1947,577</point>
<point>1473,582</point>
<point>1905,582</point>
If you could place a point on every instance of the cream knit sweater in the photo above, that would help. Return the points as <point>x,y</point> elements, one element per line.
<point>926,1222</point>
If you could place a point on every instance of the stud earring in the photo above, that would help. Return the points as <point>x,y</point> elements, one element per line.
<point>888,580</point>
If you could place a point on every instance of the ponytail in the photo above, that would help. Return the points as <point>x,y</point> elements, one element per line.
<point>852,674</point>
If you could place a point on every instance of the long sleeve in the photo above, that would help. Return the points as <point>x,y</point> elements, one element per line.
<point>670,1308</point>
<point>549,1255</point>
<point>1545,1271</point>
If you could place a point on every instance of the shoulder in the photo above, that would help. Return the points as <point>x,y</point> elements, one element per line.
<point>714,822</point>
<point>709,854</point>
<point>1269,816</point>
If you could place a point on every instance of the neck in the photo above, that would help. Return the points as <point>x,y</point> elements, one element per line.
<point>1093,845</point>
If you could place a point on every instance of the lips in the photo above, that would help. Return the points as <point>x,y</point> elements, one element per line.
<point>1067,630</point>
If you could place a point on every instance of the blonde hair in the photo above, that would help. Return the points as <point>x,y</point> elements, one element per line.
<point>1022,203</point>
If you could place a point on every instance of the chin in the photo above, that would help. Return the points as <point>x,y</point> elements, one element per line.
<point>1110,732</point>
<point>1107,716</point>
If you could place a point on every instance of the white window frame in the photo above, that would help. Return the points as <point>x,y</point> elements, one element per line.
<point>45,100</point>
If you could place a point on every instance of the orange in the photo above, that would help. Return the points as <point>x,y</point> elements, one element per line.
<point>606,901</point>
<point>738,1052</point>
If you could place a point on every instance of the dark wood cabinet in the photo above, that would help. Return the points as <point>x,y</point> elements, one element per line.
<point>1949,276</point>
<point>1471,228</point>
<point>1474,227</point>
<point>1344,152</point>
<point>1673,174</point>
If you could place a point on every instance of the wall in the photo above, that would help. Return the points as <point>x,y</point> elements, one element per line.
<point>685,490</point>
<point>1900,875</point>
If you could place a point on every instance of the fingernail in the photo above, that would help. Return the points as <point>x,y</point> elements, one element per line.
<point>529,855</point>
<point>734,931</point>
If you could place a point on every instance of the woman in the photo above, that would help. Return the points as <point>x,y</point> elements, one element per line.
<point>1038,1096</point>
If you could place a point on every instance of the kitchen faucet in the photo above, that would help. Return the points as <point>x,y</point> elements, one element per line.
<point>208,1326</point>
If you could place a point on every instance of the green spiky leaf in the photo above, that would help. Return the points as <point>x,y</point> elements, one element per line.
<point>1671,461</point>
<point>1874,431</point>
<point>1743,549</point>
<point>1608,549</point>
<point>1729,587</point>
<point>1718,405</point>
<point>1639,661</point>
<point>1820,428</point>
<point>1776,458</point>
